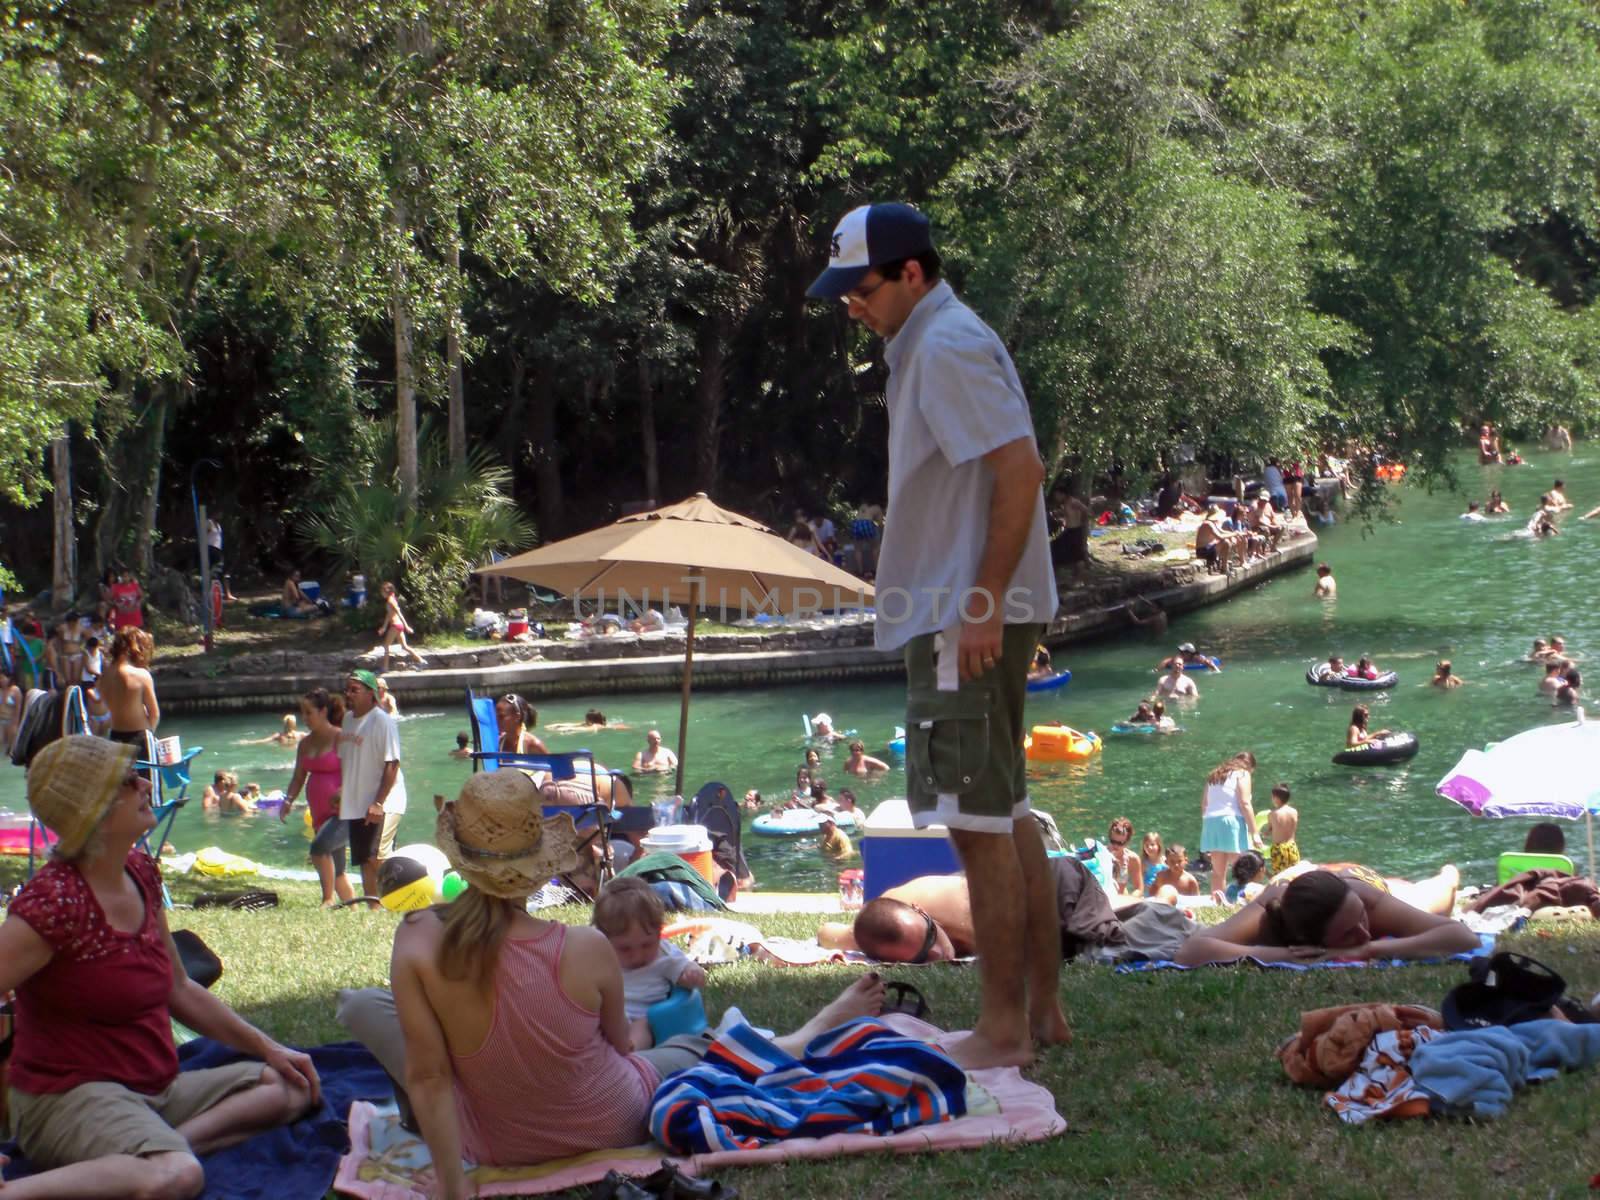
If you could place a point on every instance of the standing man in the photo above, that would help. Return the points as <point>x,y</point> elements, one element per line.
<point>372,797</point>
<point>965,587</point>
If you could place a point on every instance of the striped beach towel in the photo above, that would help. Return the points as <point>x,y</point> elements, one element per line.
<point>859,1078</point>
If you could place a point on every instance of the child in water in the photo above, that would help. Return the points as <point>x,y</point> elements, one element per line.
<point>1283,823</point>
<point>631,915</point>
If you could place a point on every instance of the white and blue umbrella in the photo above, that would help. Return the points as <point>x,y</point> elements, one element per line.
<point>1551,771</point>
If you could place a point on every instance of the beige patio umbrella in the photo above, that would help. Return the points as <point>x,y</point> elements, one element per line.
<point>693,554</point>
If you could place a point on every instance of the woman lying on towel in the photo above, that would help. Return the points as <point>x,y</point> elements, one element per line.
<point>1338,914</point>
<point>97,1101</point>
<point>516,1047</point>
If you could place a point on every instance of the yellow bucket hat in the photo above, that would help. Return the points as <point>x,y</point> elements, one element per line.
<point>72,783</point>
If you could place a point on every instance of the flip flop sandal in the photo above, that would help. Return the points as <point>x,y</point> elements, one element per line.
<point>902,997</point>
<point>370,901</point>
<point>254,901</point>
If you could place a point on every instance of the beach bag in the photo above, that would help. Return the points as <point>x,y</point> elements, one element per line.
<point>200,961</point>
<point>1505,989</point>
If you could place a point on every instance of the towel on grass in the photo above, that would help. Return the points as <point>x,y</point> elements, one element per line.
<point>1474,1072</point>
<point>385,1163</point>
<point>859,1078</point>
<point>1383,1085</point>
<point>1484,950</point>
<point>292,1162</point>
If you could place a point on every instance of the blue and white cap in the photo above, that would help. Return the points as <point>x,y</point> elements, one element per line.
<point>868,237</point>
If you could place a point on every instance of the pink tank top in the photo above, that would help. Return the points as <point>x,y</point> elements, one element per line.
<point>323,777</point>
<point>545,1083</point>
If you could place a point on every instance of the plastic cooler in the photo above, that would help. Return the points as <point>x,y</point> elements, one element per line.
<point>689,842</point>
<point>311,588</point>
<point>893,852</point>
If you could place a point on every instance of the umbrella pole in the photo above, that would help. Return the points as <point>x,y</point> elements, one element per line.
<point>683,712</point>
<point>1588,820</point>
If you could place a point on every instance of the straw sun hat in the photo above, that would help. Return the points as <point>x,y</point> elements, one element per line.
<point>72,783</point>
<point>498,839</point>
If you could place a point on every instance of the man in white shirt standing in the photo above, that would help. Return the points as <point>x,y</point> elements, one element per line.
<point>965,588</point>
<point>372,795</point>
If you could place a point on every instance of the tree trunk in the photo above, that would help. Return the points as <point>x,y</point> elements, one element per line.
<point>452,357</point>
<point>649,448</point>
<point>709,387</point>
<point>149,495</point>
<point>64,556</point>
<point>405,384</point>
<point>550,505</point>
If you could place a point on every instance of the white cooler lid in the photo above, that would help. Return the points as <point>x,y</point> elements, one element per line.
<point>892,818</point>
<point>678,838</point>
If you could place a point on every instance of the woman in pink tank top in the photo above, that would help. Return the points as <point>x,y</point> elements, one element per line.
<point>317,769</point>
<point>516,1044</point>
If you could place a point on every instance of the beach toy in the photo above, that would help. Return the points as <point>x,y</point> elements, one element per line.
<point>169,750</point>
<point>412,877</point>
<point>898,742</point>
<point>1061,743</point>
<point>1317,677</point>
<point>683,1011</point>
<point>1050,683</point>
<point>1397,747</point>
<point>452,886</point>
<point>801,822</point>
<point>1122,727</point>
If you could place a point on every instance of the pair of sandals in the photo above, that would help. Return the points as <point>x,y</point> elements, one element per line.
<point>665,1183</point>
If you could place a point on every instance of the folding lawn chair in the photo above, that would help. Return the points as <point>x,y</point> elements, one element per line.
<point>1515,862</point>
<point>714,807</point>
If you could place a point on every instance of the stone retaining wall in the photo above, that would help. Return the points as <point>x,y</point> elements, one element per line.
<point>654,662</point>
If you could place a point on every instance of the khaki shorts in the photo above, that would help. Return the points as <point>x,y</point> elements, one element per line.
<point>965,765</point>
<point>94,1120</point>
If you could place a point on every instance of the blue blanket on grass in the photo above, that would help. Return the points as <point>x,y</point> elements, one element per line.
<point>1484,950</point>
<point>1474,1072</point>
<point>293,1162</point>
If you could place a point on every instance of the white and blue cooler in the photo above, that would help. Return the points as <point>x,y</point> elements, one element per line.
<point>892,851</point>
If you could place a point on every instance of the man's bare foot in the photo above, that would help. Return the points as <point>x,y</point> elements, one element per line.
<point>975,1051</point>
<point>1052,1029</point>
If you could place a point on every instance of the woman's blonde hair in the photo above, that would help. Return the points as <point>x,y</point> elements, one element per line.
<point>475,924</point>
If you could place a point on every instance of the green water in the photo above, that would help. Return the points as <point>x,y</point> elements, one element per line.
<point>1431,585</point>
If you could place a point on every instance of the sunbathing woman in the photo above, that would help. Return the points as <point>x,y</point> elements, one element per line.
<point>97,1102</point>
<point>1357,734</point>
<point>513,1043</point>
<point>1337,914</point>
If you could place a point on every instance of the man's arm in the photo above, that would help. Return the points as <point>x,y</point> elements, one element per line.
<point>391,772</point>
<point>1018,475</point>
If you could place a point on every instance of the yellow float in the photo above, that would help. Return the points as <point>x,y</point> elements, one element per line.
<point>1061,743</point>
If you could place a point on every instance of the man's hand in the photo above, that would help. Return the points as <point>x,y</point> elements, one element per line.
<point>374,813</point>
<point>979,647</point>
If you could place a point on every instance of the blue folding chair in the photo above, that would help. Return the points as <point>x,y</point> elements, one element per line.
<point>74,718</point>
<point>170,792</point>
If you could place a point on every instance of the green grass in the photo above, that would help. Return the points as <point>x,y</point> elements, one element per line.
<point>1170,1087</point>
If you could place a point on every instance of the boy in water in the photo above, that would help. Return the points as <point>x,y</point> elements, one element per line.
<point>1283,822</point>
<point>1325,588</point>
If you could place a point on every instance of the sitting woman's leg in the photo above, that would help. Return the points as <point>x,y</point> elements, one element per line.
<point>273,1101</point>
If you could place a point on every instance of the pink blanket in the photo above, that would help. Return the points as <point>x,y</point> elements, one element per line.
<point>385,1163</point>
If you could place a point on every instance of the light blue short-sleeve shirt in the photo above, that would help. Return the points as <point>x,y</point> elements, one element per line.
<point>953,396</point>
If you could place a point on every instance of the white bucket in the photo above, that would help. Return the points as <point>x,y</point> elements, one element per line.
<point>169,750</point>
<point>676,839</point>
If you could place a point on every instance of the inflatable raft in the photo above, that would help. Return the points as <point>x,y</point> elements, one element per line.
<point>1060,743</point>
<point>15,832</point>
<point>1050,683</point>
<point>1128,728</point>
<point>1397,747</point>
<point>801,822</point>
<point>1320,676</point>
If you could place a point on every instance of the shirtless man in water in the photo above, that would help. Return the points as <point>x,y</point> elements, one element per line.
<point>1175,683</point>
<point>128,689</point>
<point>654,759</point>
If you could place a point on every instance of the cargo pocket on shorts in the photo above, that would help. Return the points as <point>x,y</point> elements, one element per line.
<point>947,740</point>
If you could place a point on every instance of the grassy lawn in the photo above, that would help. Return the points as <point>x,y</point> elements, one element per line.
<point>1170,1087</point>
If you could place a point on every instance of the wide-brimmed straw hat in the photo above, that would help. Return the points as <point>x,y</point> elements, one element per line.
<point>72,783</point>
<point>498,839</point>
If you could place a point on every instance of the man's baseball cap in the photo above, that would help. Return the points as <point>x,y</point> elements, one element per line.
<point>868,237</point>
<point>366,679</point>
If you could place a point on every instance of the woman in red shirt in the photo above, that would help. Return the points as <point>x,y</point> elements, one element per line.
<point>127,603</point>
<point>97,1102</point>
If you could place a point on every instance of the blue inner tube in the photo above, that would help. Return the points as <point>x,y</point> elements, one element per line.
<point>1349,683</point>
<point>898,745</point>
<point>1397,747</point>
<point>799,822</point>
<point>1050,682</point>
<point>1211,661</point>
<point>1124,727</point>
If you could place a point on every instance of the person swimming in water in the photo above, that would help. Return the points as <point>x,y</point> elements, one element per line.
<point>1364,669</point>
<point>1443,678</point>
<point>1176,683</point>
<point>1143,715</point>
<point>1358,734</point>
<point>1326,588</point>
<point>1496,505</point>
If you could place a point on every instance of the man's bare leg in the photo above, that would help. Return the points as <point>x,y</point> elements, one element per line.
<point>999,919</point>
<point>170,1175</point>
<point>1047,1021</point>
<point>273,1101</point>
